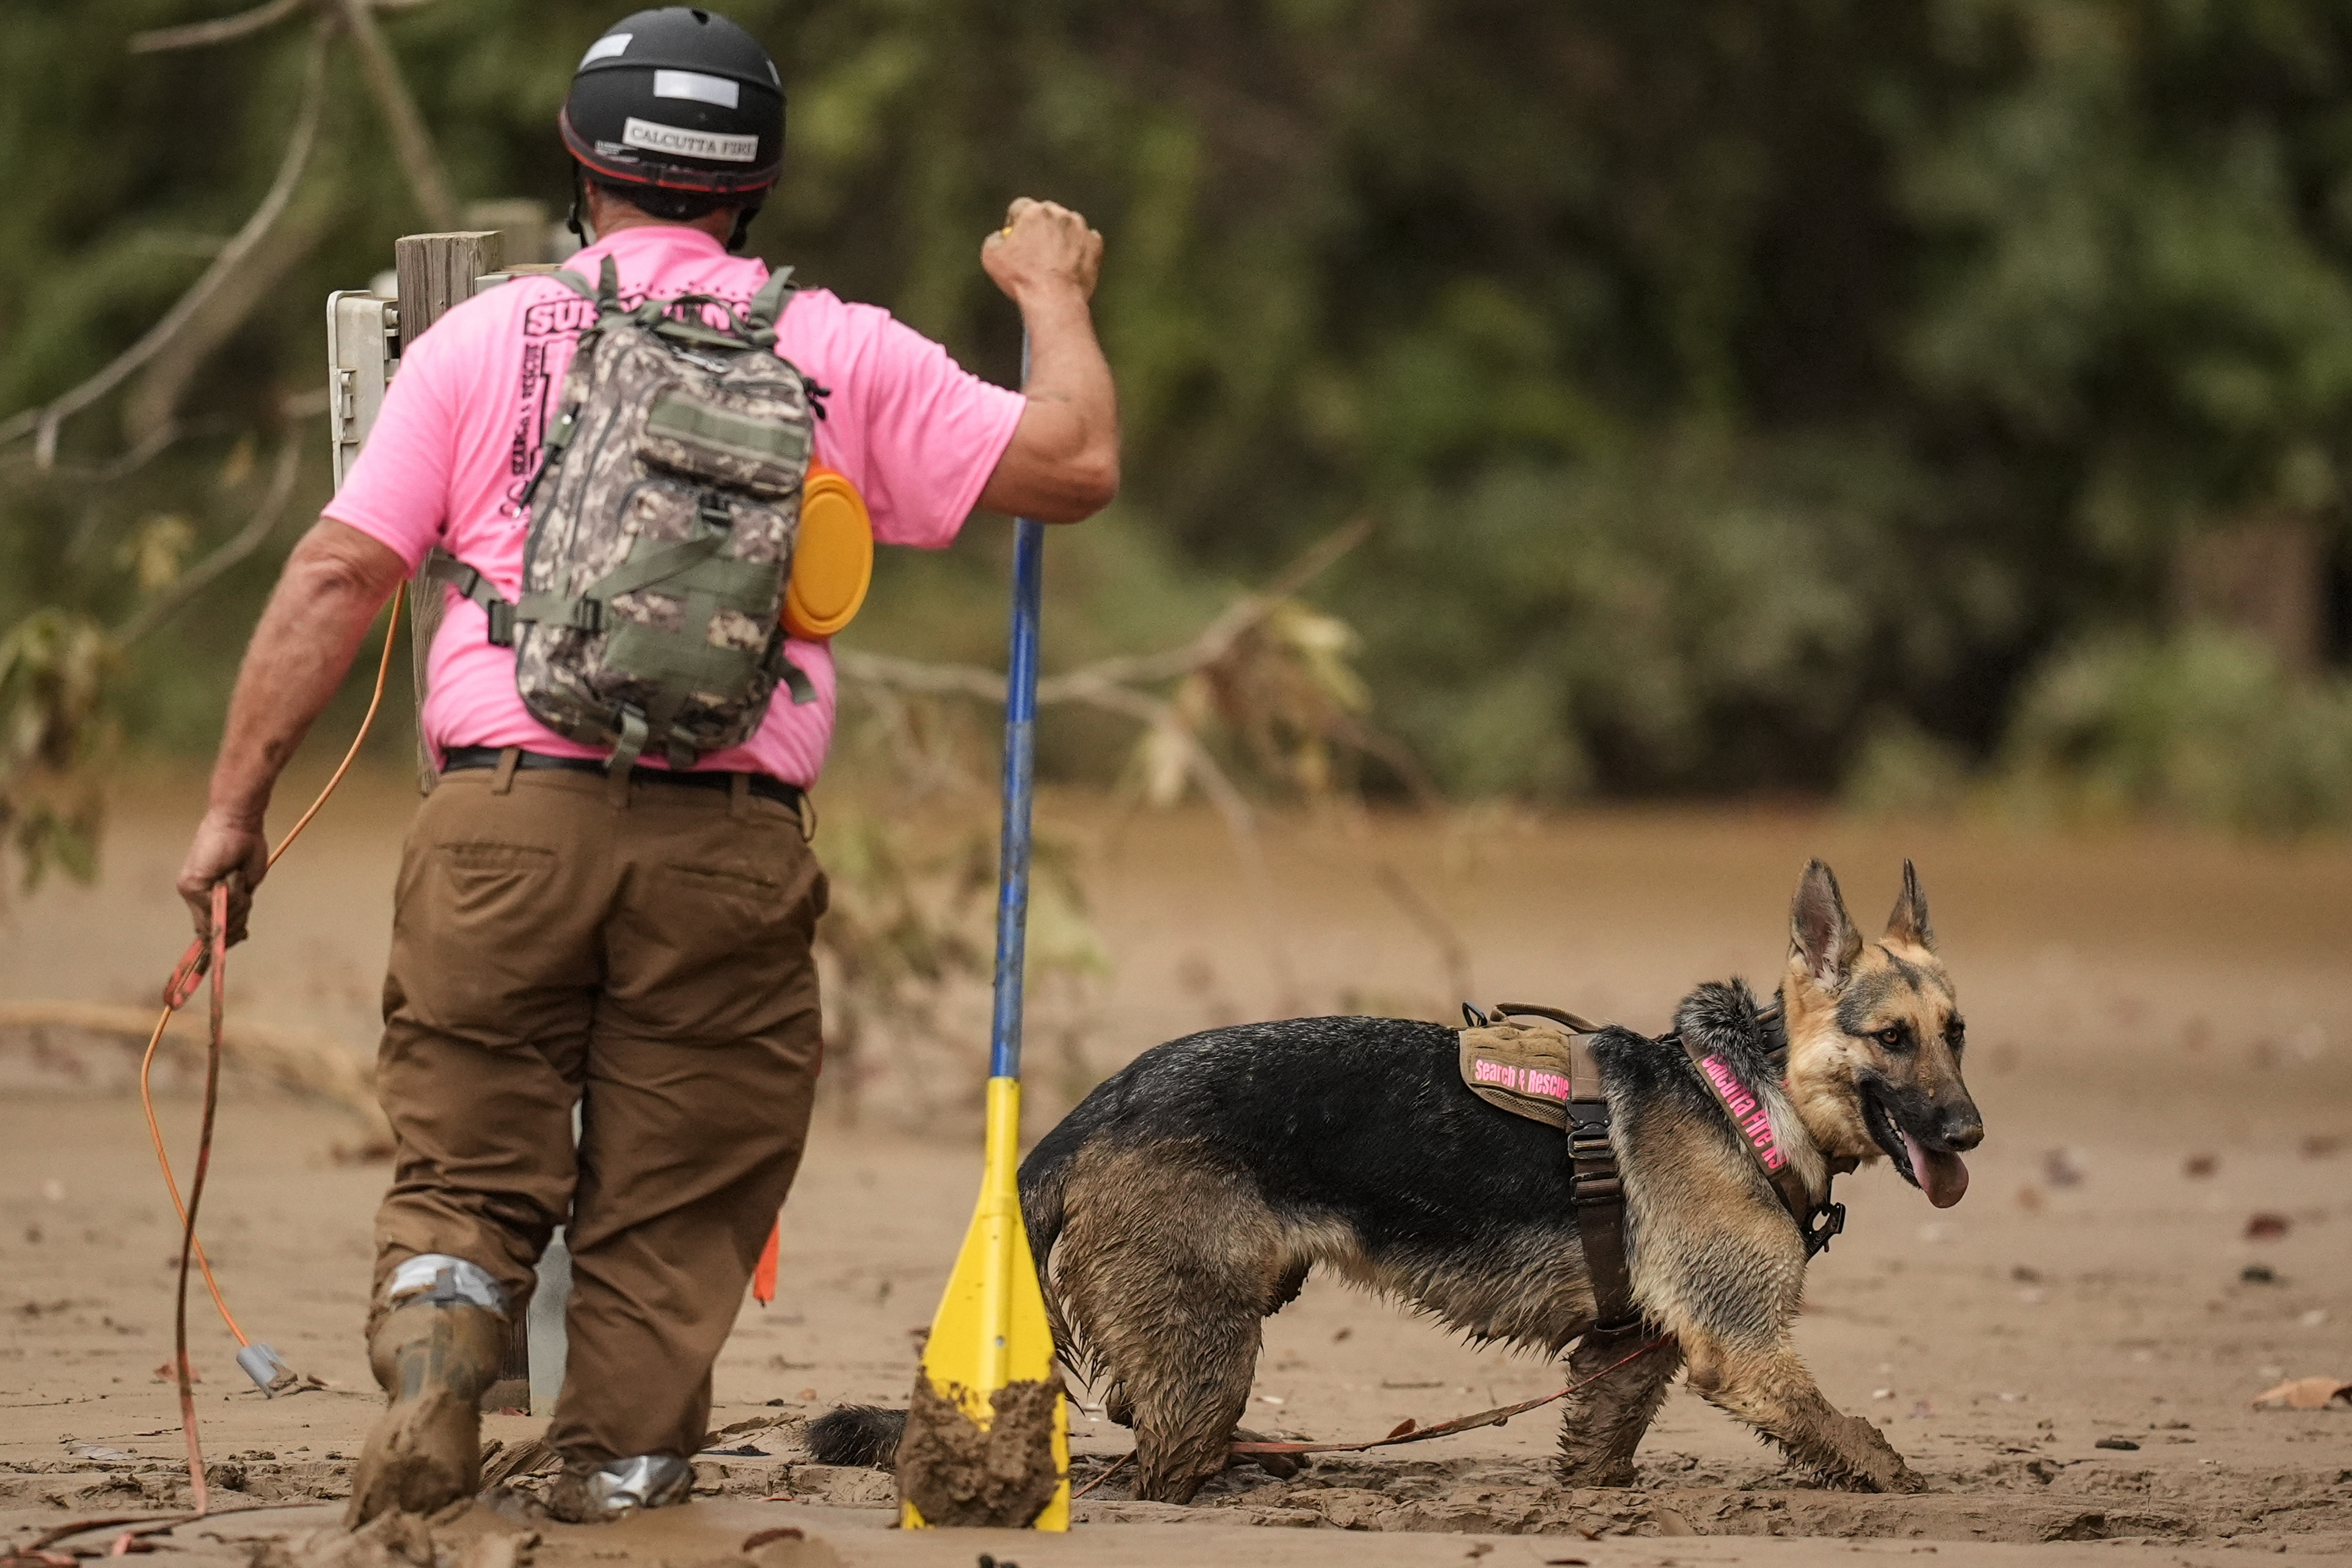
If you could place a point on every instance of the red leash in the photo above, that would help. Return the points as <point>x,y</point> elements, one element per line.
<point>208,955</point>
<point>1413,1434</point>
<point>184,983</point>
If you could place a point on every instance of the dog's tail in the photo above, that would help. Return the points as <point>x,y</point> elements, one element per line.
<point>868,1435</point>
<point>857,1435</point>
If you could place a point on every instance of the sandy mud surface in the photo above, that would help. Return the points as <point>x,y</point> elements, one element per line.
<point>2159,1229</point>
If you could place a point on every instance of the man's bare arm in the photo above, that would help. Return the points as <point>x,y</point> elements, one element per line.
<point>1062,465</point>
<point>333,584</point>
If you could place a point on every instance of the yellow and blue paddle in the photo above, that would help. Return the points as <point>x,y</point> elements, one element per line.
<point>990,1330</point>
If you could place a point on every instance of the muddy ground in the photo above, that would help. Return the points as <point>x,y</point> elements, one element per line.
<point>2161,1036</point>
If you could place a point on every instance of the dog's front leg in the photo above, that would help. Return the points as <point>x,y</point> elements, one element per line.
<point>1771,1390</point>
<point>1601,1425</point>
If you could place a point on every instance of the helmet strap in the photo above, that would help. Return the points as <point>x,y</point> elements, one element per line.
<point>572,219</point>
<point>742,231</point>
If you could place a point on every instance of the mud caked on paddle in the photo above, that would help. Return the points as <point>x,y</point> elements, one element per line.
<point>987,1439</point>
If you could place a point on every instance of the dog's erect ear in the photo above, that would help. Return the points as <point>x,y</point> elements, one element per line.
<point>1909,921</point>
<point>1821,935</point>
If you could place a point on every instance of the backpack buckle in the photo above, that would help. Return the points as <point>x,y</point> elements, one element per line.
<point>502,623</point>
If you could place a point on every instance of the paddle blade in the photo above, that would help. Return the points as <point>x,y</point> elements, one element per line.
<point>988,1436</point>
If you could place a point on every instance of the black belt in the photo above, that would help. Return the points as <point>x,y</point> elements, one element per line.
<point>459,758</point>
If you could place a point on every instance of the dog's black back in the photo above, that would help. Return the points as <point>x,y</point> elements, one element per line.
<point>1313,1110</point>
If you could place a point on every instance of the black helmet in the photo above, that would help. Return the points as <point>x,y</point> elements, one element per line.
<point>681,98</point>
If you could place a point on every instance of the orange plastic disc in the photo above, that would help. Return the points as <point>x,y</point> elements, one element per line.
<point>833,563</point>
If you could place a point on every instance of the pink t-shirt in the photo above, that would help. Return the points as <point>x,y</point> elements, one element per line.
<point>459,434</point>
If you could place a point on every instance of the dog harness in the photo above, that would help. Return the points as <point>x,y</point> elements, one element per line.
<point>1548,1074</point>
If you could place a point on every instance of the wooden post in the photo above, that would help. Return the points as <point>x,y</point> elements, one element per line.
<point>436,273</point>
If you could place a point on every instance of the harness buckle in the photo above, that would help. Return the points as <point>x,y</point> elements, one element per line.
<point>1584,1192</point>
<point>502,623</point>
<point>1824,1222</point>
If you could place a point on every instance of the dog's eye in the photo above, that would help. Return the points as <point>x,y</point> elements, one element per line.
<point>1891,1037</point>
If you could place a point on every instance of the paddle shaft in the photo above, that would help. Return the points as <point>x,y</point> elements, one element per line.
<point>1020,786</point>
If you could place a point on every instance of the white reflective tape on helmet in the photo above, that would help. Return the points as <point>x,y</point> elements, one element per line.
<point>676,138</point>
<point>695,85</point>
<point>605,47</point>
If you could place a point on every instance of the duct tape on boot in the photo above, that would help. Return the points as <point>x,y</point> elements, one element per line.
<point>621,1487</point>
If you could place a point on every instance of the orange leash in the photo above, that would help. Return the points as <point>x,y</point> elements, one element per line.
<point>209,955</point>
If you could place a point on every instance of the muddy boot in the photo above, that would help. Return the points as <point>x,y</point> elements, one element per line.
<point>592,1494</point>
<point>437,1349</point>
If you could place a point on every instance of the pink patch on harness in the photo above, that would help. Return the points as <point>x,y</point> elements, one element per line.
<point>1750,1117</point>
<point>1519,1080</point>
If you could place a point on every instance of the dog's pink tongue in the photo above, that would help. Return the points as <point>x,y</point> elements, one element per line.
<point>1943,1177</point>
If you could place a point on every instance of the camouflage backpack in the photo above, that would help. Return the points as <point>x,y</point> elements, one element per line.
<point>655,569</point>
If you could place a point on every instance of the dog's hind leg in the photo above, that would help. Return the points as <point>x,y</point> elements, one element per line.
<point>1601,1426</point>
<point>1167,1267</point>
<point>1772,1392</point>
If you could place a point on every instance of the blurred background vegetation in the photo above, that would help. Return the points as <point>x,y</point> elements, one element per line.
<point>1923,404</point>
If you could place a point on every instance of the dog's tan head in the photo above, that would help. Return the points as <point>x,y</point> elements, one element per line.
<point>1874,1037</point>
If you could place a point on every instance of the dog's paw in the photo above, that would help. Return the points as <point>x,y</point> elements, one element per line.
<point>1598,1472</point>
<point>1868,1462</point>
<point>1905,1479</point>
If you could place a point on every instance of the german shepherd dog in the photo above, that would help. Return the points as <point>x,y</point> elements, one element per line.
<point>1189,1196</point>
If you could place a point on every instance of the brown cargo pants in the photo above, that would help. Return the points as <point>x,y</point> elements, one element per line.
<point>651,961</point>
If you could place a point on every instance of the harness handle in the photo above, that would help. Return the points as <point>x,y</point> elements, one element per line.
<point>1575,1022</point>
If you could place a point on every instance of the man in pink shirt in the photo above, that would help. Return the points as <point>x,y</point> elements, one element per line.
<point>640,952</point>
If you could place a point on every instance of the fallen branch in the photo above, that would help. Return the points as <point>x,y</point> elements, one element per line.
<point>1087,683</point>
<point>307,1063</point>
<point>1111,686</point>
<point>1214,641</point>
<point>45,421</point>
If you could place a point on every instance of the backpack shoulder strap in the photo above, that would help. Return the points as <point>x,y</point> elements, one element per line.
<point>768,305</point>
<point>574,282</point>
<point>605,296</point>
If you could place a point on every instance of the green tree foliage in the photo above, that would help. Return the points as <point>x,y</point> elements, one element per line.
<point>1728,379</point>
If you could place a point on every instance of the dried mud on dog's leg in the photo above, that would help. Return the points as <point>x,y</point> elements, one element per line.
<point>956,1474</point>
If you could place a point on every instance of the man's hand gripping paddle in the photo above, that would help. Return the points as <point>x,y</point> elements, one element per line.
<point>987,1440</point>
